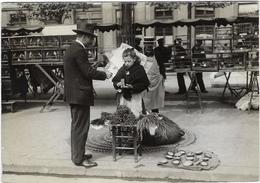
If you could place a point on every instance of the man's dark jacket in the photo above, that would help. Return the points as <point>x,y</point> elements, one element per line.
<point>162,55</point>
<point>78,75</point>
<point>135,76</point>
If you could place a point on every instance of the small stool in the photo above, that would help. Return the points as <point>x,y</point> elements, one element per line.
<point>125,137</point>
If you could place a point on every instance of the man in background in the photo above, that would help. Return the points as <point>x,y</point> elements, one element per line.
<point>162,55</point>
<point>179,51</point>
<point>198,52</point>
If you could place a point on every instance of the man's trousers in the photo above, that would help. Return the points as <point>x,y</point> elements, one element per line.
<point>80,116</point>
<point>199,76</point>
<point>181,82</point>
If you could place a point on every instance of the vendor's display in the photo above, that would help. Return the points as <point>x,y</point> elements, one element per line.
<point>210,63</point>
<point>100,140</point>
<point>232,62</point>
<point>189,160</point>
<point>153,129</point>
<point>37,49</point>
<point>181,63</point>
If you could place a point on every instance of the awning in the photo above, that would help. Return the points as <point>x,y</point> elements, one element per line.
<point>107,27</point>
<point>198,21</point>
<point>21,30</point>
<point>53,30</point>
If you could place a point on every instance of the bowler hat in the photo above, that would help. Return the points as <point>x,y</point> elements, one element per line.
<point>86,29</point>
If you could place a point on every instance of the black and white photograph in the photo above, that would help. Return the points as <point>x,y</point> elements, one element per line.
<point>129,91</point>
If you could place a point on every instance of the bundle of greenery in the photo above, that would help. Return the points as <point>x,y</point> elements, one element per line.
<point>123,116</point>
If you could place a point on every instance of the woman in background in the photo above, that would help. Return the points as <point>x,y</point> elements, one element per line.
<point>154,97</point>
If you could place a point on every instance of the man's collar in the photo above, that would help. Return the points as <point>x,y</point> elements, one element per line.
<point>78,41</point>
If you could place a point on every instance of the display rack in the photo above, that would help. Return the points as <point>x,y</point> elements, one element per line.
<point>207,64</point>
<point>21,54</point>
<point>206,35</point>
<point>37,49</point>
<point>223,40</point>
<point>232,61</point>
<point>207,43</point>
<point>181,61</point>
<point>247,40</point>
<point>6,71</point>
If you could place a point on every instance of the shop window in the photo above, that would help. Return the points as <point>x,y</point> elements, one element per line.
<point>245,9</point>
<point>204,12</point>
<point>19,18</point>
<point>163,13</point>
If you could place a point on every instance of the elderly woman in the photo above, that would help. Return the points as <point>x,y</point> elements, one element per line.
<point>130,81</point>
<point>154,97</point>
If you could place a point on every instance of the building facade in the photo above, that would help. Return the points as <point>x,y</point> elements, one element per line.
<point>110,12</point>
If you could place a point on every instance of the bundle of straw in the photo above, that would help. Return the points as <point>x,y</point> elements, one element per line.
<point>166,131</point>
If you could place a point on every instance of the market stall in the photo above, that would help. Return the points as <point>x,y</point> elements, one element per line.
<point>28,54</point>
<point>233,47</point>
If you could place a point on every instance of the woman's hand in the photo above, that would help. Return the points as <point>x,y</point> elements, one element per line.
<point>128,86</point>
<point>119,84</point>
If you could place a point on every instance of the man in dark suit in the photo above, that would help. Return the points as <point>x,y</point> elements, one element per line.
<point>78,91</point>
<point>179,51</point>
<point>162,55</point>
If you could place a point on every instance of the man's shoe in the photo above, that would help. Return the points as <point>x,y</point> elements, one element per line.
<point>87,163</point>
<point>88,156</point>
<point>204,91</point>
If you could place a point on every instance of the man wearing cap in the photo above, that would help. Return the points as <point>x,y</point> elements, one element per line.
<point>162,55</point>
<point>78,91</point>
<point>179,51</point>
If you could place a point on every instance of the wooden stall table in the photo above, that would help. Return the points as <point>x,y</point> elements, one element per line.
<point>182,64</point>
<point>193,89</point>
<point>200,65</point>
<point>228,63</point>
<point>57,81</point>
